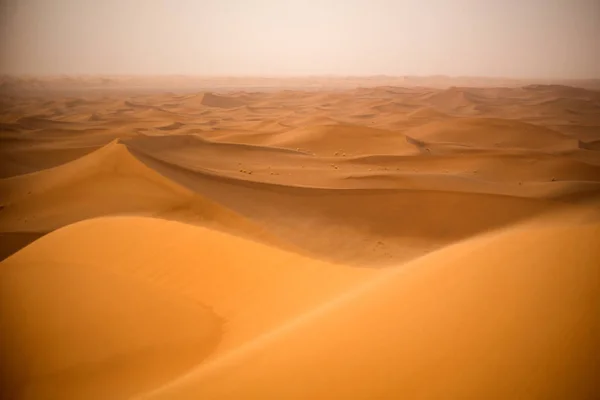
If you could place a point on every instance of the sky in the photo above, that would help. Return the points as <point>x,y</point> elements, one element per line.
<point>504,38</point>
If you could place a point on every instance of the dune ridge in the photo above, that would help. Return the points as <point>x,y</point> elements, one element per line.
<point>107,181</point>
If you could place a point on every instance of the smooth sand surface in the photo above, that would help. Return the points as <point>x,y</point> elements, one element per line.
<point>507,315</point>
<point>389,241</point>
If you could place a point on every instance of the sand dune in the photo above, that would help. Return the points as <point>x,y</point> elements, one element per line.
<point>492,167</point>
<point>20,160</point>
<point>340,140</point>
<point>347,223</point>
<point>594,145</point>
<point>518,306</point>
<point>94,329</point>
<point>393,107</point>
<point>492,133</point>
<point>40,122</point>
<point>454,99</point>
<point>426,113</point>
<point>224,238</point>
<point>108,181</point>
<point>213,100</point>
<point>567,92</point>
<point>169,292</point>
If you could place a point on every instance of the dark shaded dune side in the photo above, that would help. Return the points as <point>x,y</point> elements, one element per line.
<point>353,225</point>
<point>41,122</point>
<point>11,242</point>
<point>192,143</point>
<point>108,181</point>
<point>21,161</point>
<point>593,145</point>
<point>491,166</point>
<point>218,101</point>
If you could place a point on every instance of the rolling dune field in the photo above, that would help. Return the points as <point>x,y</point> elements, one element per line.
<point>399,240</point>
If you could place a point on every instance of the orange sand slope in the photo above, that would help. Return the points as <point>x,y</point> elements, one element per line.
<point>506,315</point>
<point>218,291</point>
<point>426,241</point>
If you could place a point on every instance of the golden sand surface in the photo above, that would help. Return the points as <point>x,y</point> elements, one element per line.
<point>298,239</point>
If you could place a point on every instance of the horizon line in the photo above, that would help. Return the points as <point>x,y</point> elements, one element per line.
<point>288,76</point>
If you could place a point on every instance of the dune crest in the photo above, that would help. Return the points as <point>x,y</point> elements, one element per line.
<point>107,181</point>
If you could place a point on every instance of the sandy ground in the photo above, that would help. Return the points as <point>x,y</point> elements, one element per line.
<point>412,241</point>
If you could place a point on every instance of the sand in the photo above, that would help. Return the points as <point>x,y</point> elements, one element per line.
<point>255,239</point>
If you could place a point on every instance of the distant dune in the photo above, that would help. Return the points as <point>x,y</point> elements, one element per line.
<point>340,140</point>
<point>271,238</point>
<point>426,113</point>
<point>492,133</point>
<point>12,84</point>
<point>213,100</point>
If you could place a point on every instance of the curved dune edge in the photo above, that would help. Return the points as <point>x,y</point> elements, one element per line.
<point>71,331</point>
<point>107,181</point>
<point>509,174</point>
<point>449,325</point>
<point>362,226</point>
<point>114,180</point>
<point>251,287</point>
<point>328,223</point>
<point>112,158</point>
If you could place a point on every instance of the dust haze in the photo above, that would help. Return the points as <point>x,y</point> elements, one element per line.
<point>525,39</point>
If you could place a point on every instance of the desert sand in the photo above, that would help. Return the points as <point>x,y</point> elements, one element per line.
<point>180,238</point>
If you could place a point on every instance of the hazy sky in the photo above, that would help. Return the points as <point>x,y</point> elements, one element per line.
<point>510,38</point>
